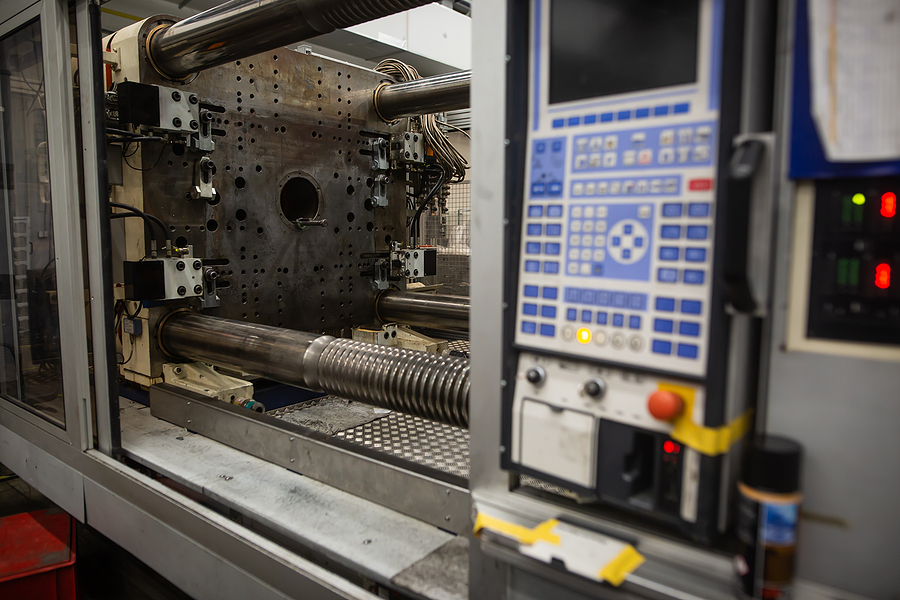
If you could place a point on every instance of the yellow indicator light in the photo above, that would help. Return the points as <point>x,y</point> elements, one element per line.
<point>859,199</point>
<point>584,335</point>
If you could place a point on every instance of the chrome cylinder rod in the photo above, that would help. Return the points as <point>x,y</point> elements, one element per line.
<point>422,96</point>
<point>242,28</point>
<point>423,310</point>
<point>416,383</point>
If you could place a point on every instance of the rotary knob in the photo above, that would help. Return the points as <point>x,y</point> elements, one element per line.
<point>595,388</point>
<point>665,405</point>
<point>536,375</point>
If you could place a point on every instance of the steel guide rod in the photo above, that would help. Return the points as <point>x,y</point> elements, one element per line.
<point>423,310</point>
<point>439,93</point>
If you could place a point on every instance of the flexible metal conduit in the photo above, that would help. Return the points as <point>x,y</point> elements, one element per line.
<point>416,383</point>
<point>423,310</point>
<point>421,96</point>
<point>242,28</point>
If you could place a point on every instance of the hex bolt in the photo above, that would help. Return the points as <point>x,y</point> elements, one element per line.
<point>206,117</point>
<point>176,122</point>
<point>187,196</point>
<point>407,136</point>
<point>416,255</point>
<point>212,275</point>
<point>198,289</point>
<point>182,290</point>
<point>180,265</point>
<point>194,124</point>
<point>176,96</point>
<point>407,255</point>
<point>407,155</point>
<point>416,272</point>
<point>197,265</point>
<point>193,99</point>
<point>407,272</point>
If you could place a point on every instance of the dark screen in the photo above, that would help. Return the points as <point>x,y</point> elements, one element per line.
<point>604,47</point>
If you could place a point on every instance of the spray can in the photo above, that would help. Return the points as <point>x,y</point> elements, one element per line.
<point>768,514</point>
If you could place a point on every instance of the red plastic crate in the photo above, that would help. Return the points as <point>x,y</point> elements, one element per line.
<point>37,556</point>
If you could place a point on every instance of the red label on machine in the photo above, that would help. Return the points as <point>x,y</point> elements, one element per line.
<point>700,185</point>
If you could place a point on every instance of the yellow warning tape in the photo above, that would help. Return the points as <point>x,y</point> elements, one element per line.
<point>520,533</point>
<point>116,13</point>
<point>711,441</point>
<point>621,566</point>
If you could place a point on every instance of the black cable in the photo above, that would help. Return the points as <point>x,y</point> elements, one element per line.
<point>147,222</point>
<point>158,158</point>
<point>415,220</point>
<point>141,213</point>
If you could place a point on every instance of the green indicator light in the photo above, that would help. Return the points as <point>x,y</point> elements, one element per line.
<point>854,272</point>
<point>859,199</point>
<point>847,210</point>
<point>842,266</point>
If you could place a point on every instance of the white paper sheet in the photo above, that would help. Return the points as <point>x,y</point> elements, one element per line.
<point>855,77</point>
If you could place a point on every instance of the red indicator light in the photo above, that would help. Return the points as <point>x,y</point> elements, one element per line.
<point>888,204</point>
<point>669,446</point>
<point>883,276</point>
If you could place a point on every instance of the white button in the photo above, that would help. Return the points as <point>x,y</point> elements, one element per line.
<point>573,253</point>
<point>588,213</point>
<point>586,240</point>
<point>602,211</point>
<point>618,340</point>
<point>609,159</point>
<point>585,268</point>
<point>615,187</point>
<point>602,188</point>
<point>590,189</point>
<point>588,226</point>
<point>701,153</point>
<point>703,134</point>
<point>581,145</point>
<point>684,154</point>
<point>581,161</point>
<point>600,338</point>
<point>655,186</point>
<point>612,142</point>
<point>595,160</point>
<point>628,157</point>
<point>685,135</point>
<point>635,342</point>
<point>576,212</point>
<point>628,187</point>
<point>572,269</point>
<point>599,240</point>
<point>586,254</point>
<point>577,189</point>
<point>568,333</point>
<point>645,157</point>
<point>596,143</point>
<point>671,186</point>
<point>666,137</point>
<point>574,240</point>
<point>666,156</point>
<point>600,227</point>
<point>641,186</point>
<point>638,139</point>
<point>575,226</point>
<point>599,255</point>
<point>645,211</point>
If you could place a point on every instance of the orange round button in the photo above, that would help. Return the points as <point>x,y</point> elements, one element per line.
<point>665,405</point>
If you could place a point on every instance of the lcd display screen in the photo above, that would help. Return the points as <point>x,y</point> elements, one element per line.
<point>604,47</point>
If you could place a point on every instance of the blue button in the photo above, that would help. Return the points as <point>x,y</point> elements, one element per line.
<point>540,147</point>
<point>601,318</point>
<point>571,314</point>
<point>671,232</point>
<point>668,253</point>
<point>557,123</point>
<point>603,298</point>
<point>616,241</point>
<point>533,248</point>
<point>638,242</point>
<point>698,209</point>
<point>691,329</point>
<point>660,111</point>
<point>618,320</point>
<point>529,309</point>
<point>642,113</point>
<point>574,121</point>
<point>619,299</point>
<point>634,322</point>
<point>687,350</point>
<point>531,291</point>
<point>532,266</point>
<point>550,293</point>
<point>606,117</point>
<point>554,210</point>
<point>664,275</point>
<point>624,115</point>
<point>697,232</point>
<point>528,327</point>
<point>690,307</point>
<point>626,253</point>
<point>671,210</point>
<point>535,211</point>
<point>663,325</point>
<point>695,254</point>
<point>628,229</point>
<point>555,188</point>
<point>586,316</point>
<point>662,347</point>
<point>554,229</point>
<point>693,277</point>
<point>534,229</point>
<point>665,304</point>
<point>548,330</point>
<point>538,189</point>
<point>551,266</point>
<point>637,301</point>
<point>548,312</point>
<point>572,294</point>
<point>557,146</point>
<point>588,119</point>
<point>551,248</point>
<point>681,108</point>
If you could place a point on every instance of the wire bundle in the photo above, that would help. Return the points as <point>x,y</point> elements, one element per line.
<point>454,162</point>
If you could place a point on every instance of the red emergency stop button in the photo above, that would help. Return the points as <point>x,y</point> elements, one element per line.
<point>665,405</point>
<point>700,185</point>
